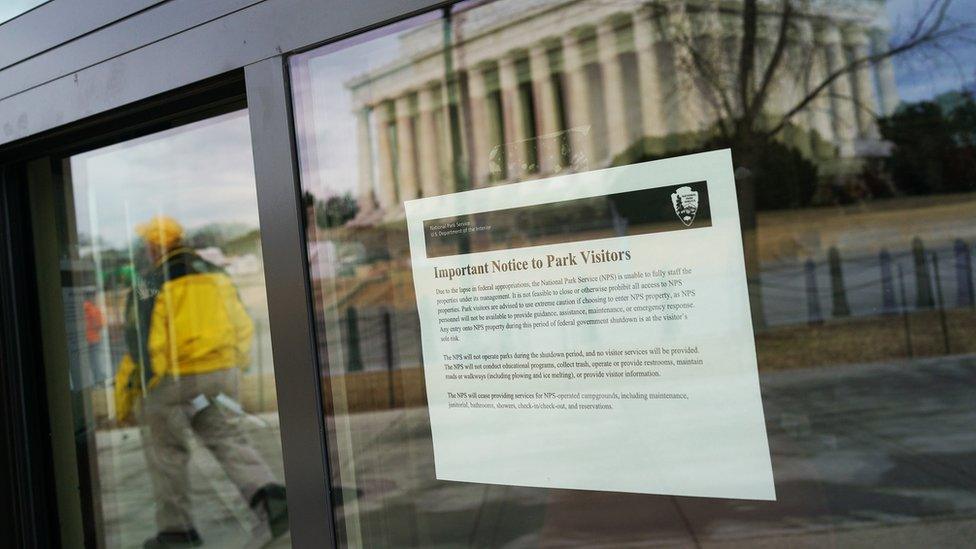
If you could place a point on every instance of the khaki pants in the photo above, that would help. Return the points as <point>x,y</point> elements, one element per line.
<point>167,414</point>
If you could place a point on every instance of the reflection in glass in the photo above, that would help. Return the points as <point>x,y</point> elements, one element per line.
<point>169,359</point>
<point>12,8</point>
<point>853,142</point>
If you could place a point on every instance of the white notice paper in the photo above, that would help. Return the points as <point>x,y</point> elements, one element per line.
<point>592,331</point>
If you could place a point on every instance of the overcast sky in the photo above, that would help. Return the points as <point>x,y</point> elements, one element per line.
<point>199,174</point>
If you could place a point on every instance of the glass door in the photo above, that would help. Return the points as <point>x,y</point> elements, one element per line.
<point>155,327</point>
<point>486,385</point>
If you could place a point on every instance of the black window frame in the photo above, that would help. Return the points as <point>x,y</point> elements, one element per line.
<point>144,90</point>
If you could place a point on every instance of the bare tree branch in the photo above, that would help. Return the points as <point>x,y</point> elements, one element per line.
<point>714,80</point>
<point>923,34</point>
<point>784,25</point>
<point>920,24</point>
<point>740,102</point>
<point>747,55</point>
<point>700,62</point>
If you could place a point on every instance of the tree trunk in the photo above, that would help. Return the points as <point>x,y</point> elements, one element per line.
<point>746,148</point>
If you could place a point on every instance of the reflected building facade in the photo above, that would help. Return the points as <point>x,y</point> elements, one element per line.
<point>608,84</point>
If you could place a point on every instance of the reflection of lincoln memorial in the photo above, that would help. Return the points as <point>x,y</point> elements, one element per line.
<point>547,86</point>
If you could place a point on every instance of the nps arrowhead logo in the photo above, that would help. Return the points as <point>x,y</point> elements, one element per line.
<point>685,202</point>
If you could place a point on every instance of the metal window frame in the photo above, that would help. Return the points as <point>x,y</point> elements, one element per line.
<point>100,71</point>
<point>26,476</point>
<point>34,500</point>
<point>297,372</point>
<point>57,102</point>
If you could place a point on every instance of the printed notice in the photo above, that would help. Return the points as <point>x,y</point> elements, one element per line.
<point>592,331</point>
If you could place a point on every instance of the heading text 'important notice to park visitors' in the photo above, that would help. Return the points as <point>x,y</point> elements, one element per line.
<point>592,331</point>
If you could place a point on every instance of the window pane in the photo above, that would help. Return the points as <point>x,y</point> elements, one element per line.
<point>852,148</point>
<point>161,342</point>
<point>13,8</point>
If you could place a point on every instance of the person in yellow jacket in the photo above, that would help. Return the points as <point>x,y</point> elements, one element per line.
<point>188,335</point>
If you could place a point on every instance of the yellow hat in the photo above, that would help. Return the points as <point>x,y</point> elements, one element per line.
<point>161,231</point>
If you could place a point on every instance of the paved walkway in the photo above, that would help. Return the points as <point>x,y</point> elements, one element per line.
<point>862,455</point>
<point>865,455</point>
<point>222,516</point>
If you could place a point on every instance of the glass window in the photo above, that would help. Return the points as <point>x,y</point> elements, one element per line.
<point>157,343</point>
<point>13,8</point>
<point>851,127</point>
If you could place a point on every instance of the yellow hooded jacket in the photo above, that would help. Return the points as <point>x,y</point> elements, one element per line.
<point>186,318</point>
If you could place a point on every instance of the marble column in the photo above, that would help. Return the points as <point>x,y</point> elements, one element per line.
<point>843,116</point>
<point>387,195</point>
<point>706,31</point>
<point>427,146</point>
<point>653,120</point>
<point>444,135</point>
<point>406,152</point>
<point>685,100</point>
<point>547,118</point>
<point>788,86</point>
<point>478,148</point>
<point>614,101</point>
<point>578,105</point>
<point>865,102</point>
<point>789,82</point>
<point>820,106</point>
<point>364,150</point>
<point>514,122</point>
<point>886,74</point>
<point>804,66</point>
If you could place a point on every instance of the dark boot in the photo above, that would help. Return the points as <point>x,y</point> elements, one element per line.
<point>270,503</point>
<point>188,538</point>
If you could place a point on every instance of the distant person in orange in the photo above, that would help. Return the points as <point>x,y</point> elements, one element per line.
<point>94,322</point>
<point>188,335</point>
